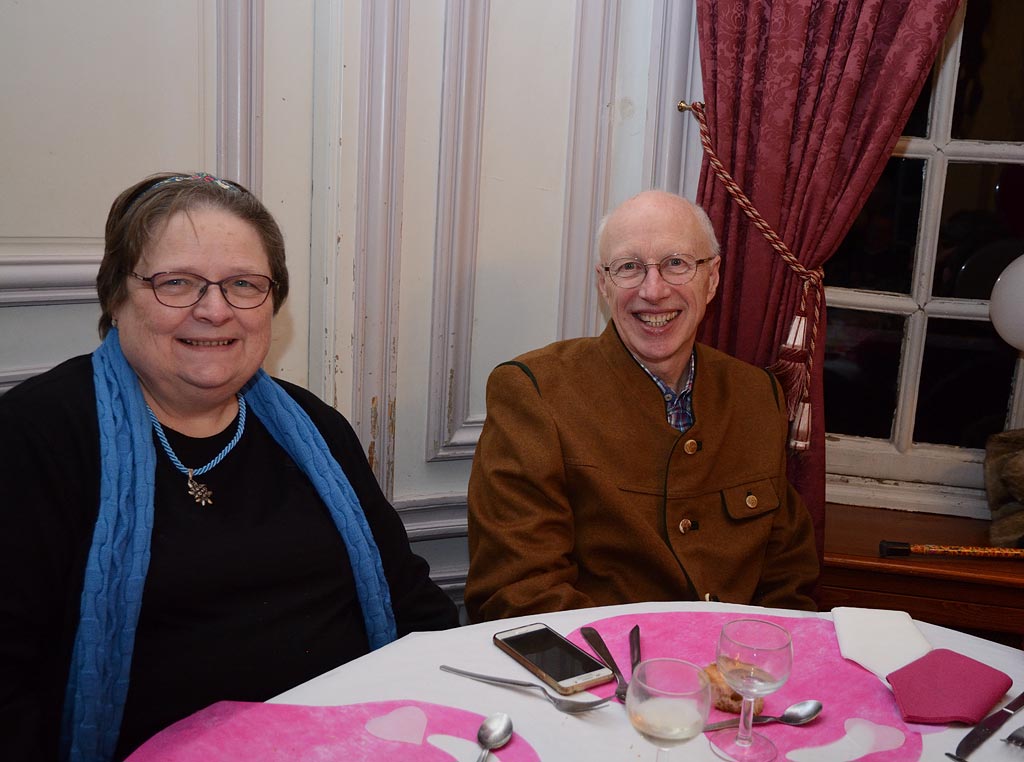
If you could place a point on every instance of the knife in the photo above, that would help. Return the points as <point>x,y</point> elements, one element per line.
<point>594,639</point>
<point>634,648</point>
<point>984,729</point>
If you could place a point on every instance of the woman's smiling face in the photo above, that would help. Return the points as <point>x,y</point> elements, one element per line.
<point>658,321</point>
<point>199,356</point>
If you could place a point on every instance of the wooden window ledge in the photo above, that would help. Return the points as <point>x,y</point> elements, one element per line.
<point>979,596</point>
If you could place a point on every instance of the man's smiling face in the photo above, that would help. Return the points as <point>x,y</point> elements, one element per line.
<point>658,321</point>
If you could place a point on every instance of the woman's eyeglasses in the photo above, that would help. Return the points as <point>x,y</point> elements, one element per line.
<point>245,292</point>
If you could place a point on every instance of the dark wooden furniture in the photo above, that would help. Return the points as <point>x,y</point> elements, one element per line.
<point>979,596</point>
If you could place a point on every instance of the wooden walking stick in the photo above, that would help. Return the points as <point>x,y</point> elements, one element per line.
<point>888,548</point>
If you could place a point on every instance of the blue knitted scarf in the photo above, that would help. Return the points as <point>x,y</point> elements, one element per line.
<point>115,571</point>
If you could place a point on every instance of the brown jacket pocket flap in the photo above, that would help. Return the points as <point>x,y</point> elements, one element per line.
<point>745,501</point>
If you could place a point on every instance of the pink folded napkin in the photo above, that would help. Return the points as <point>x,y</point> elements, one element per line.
<point>944,686</point>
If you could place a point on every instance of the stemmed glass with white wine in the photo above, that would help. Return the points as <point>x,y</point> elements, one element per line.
<point>755,658</point>
<point>668,702</point>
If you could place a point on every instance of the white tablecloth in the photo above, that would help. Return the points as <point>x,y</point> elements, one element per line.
<point>408,669</point>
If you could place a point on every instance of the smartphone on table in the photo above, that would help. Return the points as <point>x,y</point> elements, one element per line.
<point>558,662</point>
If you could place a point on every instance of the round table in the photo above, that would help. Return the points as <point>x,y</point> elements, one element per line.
<point>395,703</point>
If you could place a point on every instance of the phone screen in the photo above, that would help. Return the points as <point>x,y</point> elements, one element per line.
<point>554,655</point>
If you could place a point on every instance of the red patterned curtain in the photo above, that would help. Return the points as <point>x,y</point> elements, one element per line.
<point>805,100</point>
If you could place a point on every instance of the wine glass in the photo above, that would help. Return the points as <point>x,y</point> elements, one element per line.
<point>668,702</point>
<point>755,658</point>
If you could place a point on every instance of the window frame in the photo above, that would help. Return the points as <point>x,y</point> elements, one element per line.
<point>897,473</point>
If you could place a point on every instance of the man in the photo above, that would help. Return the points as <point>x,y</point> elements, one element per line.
<point>637,465</point>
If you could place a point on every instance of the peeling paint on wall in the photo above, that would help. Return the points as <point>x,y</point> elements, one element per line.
<point>451,403</point>
<point>390,458</point>
<point>371,450</point>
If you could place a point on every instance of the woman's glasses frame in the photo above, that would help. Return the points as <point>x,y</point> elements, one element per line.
<point>260,286</point>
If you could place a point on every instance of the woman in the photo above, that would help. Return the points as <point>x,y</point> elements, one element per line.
<point>178,528</point>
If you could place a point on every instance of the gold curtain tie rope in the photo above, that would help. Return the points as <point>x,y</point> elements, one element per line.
<point>796,354</point>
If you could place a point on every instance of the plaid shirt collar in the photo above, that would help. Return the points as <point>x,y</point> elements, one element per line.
<point>678,407</point>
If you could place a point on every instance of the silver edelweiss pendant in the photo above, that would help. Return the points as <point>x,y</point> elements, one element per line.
<point>202,493</point>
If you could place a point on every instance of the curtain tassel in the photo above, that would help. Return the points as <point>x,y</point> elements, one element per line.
<point>797,338</point>
<point>792,366</point>
<point>800,428</point>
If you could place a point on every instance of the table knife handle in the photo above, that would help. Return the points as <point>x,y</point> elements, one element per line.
<point>634,647</point>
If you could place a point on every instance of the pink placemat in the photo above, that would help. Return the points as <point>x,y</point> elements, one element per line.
<point>232,731</point>
<point>860,719</point>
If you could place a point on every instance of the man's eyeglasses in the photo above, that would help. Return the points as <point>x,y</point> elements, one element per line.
<point>245,292</point>
<point>676,269</point>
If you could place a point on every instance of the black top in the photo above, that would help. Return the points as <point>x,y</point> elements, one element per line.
<point>244,598</point>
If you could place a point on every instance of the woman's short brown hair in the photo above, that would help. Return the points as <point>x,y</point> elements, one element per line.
<point>139,213</point>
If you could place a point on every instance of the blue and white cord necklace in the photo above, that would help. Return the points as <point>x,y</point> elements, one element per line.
<point>202,494</point>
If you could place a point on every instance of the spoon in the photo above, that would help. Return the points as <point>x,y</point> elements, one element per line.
<point>799,713</point>
<point>494,733</point>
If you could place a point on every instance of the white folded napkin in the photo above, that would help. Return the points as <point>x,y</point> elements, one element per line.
<point>879,640</point>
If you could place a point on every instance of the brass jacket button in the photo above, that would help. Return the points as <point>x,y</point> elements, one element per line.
<point>751,500</point>
<point>685,525</point>
<point>690,446</point>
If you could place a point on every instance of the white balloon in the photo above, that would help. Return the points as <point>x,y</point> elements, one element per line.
<point>1006,307</point>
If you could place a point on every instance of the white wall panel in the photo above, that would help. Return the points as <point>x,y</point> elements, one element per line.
<point>287,168</point>
<point>485,190</point>
<point>452,430</point>
<point>447,62</point>
<point>629,112</point>
<point>34,339</point>
<point>99,94</point>
<point>522,189</point>
<point>96,95</point>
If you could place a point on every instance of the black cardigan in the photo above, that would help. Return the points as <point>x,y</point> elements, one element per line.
<point>244,598</point>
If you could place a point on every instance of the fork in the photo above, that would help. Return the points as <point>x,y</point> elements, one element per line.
<point>1016,737</point>
<point>561,704</point>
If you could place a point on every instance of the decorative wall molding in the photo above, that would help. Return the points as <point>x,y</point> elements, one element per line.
<point>451,431</point>
<point>672,148</point>
<point>438,517</point>
<point>326,175</point>
<point>589,160</point>
<point>44,271</point>
<point>11,377</point>
<point>378,230</point>
<point>240,92</point>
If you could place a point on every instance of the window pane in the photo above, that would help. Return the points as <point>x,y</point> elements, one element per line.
<point>982,228</point>
<point>862,358</point>
<point>989,89</point>
<point>917,123</point>
<point>966,380</point>
<point>878,252</point>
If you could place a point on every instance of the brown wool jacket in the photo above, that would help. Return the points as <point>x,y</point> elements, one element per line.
<point>580,489</point>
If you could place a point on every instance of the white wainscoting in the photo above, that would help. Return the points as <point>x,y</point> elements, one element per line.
<point>48,308</point>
